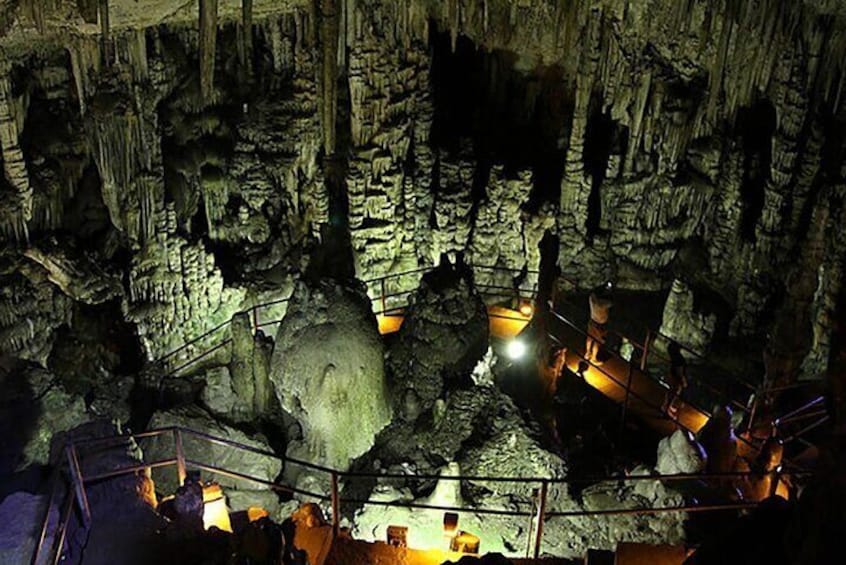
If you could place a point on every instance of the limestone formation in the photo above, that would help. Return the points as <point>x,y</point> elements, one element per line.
<point>176,292</point>
<point>680,454</point>
<point>167,166</point>
<point>682,323</point>
<point>327,372</point>
<point>442,338</point>
<point>34,408</point>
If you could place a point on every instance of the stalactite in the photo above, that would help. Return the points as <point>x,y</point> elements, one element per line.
<point>329,40</point>
<point>20,203</point>
<point>85,62</point>
<point>88,10</point>
<point>106,32</point>
<point>245,43</point>
<point>208,41</point>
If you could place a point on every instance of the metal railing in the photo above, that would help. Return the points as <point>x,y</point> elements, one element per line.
<point>645,352</point>
<point>539,514</point>
<point>384,303</point>
<point>627,387</point>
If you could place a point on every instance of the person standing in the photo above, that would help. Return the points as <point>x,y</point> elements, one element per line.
<point>676,379</point>
<point>600,309</point>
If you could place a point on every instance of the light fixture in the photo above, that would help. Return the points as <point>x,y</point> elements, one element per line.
<point>215,512</point>
<point>398,536</point>
<point>450,524</point>
<point>465,542</point>
<point>526,309</point>
<point>515,349</point>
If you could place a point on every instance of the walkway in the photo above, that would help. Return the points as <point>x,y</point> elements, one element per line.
<point>615,375</point>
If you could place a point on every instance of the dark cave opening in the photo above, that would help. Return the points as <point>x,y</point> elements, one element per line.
<point>515,114</point>
<point>86,215</point>
<point>756,126</point>
<point>56,157</point>
<point>98,345</point>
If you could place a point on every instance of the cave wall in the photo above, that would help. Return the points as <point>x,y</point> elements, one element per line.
<point>656,140</point>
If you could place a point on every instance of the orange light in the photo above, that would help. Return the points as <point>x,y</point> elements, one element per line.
<point>254,513</point>
<point>527,309</point>
<point>389,324</point>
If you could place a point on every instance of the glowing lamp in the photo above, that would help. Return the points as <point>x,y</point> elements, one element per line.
<point>215,512</point>
<point>527,309</point>
<point>398,536</point>
<point>450,524</point>
<point>515,349</point>
<point>255,513</point>
<point>465,542</point>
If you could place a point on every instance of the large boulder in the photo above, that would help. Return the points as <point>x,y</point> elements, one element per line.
<point>679,453</point>
<point>34,406</point>
<point>264,467</point>
<point>443,337</point>
<point>327,371</point>
<point>22,515</point>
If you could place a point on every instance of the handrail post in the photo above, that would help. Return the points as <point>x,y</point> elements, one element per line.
<point>255,319</point>
<point>78,485</point>
<point>541,514</point>
<point>384,299</point>
<point>645,353</point>
<point>336,506</point>
<point>626,401</point>
<point>181,471</point>
<point>776,478</point>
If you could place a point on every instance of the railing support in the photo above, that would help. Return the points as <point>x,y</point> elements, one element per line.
<point>336,506</point>
<point>541,517</point>
<point>181,470</point>
<point>626,402</point>
<point>776,478</point>
<point>78,485</point>
<point>384,299</point>
<point>645,353</point>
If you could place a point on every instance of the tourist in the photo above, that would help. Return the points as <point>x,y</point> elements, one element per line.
<point>597,330</point>
<point>676,379</point>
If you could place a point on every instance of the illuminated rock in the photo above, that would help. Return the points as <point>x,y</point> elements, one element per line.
<point>682,323</point>
<point>327,372</point>
<point>679,454</point>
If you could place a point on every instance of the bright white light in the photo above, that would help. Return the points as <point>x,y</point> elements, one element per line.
<point>515,349</point>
